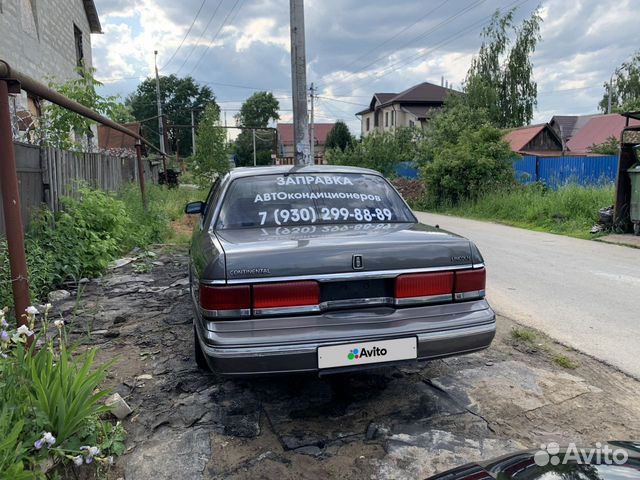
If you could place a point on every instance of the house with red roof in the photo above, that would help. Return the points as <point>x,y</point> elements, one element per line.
<point>286,142</point>
<point>541,140</point>
<point>599,129</point>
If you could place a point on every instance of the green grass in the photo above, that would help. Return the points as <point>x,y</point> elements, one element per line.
<point>165,205</point>
<point>570,210</point>
<point>523,334</point>
<point>564,361</point>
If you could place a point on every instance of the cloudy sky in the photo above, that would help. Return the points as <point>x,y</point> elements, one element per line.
<point>355,48</point>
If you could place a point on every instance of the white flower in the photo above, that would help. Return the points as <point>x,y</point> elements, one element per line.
<point>32,310</point>
<point>3,322</point>
<point>47,437</point>
<point>78,459</point>
<point>59,323</point>
<point>24,330</point>
<point>47,307</point>
<point>93,451</point>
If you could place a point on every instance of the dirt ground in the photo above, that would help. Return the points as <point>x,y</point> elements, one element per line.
<point>403,422</point>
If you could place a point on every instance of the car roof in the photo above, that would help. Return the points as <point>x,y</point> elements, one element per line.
<point>282,169</point>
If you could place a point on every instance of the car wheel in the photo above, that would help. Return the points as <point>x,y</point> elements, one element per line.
<point>201,361</point>
<point>636,229</point>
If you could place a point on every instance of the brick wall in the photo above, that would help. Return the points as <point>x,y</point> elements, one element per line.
<point>42,45</point>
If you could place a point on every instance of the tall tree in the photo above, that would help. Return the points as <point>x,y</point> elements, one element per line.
<point>339,136</point>
<point>211,158</point>
<point>501,75</point>
<point>257,111</point>
<point>178,96</point>
<point>625,91</point>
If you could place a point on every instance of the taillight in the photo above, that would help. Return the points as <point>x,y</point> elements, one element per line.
<point>470,284</point>
<point>423,288</point>
<point>286,297</point>
<point>226,301</point>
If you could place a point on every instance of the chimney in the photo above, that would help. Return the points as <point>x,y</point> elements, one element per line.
<point>442,81</point>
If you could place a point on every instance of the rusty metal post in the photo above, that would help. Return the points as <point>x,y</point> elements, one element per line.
<point>141,173</point>
<point>12,212</point>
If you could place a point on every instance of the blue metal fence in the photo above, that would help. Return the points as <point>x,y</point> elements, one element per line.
<point>407,170</point>
<point>557,171</point>
<point>553,171</point>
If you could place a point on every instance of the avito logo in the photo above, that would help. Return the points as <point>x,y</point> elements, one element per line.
<point>355,354</point>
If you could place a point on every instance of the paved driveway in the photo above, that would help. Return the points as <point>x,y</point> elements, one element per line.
<point>583,293</point>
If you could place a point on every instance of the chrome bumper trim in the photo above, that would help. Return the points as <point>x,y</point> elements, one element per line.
<point>327,277</point>
<point>470,295</point>
<point>405,302</point>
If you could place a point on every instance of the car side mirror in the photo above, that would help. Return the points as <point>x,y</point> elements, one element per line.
<point>194,208</point>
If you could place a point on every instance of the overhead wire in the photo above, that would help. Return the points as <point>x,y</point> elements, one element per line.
<point>185,36</point>
<point>199,38</point>
<point>216,35</point>
<point>396,35</point>
<point>410,59</point>
<point>446,21</point>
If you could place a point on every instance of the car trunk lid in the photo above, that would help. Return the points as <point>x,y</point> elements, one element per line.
<point>360,250</point>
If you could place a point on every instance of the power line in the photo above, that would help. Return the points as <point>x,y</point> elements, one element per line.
<point>421,36</point>
<point>392,37</point>
<point>215,36</point>
<point>342,101</point>
<point>186,35</point>
<point>200,37</point>
<point>410,59</point>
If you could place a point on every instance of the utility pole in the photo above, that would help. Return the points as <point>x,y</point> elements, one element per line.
<point>299,83</point>
<point>253,132</point>
<point>193,133</point>
<point>312,136</point>
<point>160,121</point>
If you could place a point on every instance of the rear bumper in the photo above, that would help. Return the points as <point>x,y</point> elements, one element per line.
<point>290,345</point>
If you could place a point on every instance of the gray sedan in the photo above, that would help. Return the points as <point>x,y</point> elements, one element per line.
<point>326,269</point>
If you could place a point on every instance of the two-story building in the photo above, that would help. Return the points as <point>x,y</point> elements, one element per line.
<point>410,108</point>
<point>46,40</point>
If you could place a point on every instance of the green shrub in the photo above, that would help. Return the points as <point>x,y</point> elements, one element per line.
<point>93,229</point>
<point>50,401</point>
<point>480,162</point>
<point>380,151</point>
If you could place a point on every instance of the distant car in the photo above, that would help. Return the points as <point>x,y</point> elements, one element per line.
<point>325,269</point>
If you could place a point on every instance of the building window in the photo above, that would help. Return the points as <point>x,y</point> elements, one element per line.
<point>386,119</point>
<point>412,123</point>
<point>376,119</point>
<point>393,118</point>
<point>77,36</point>
<point>367,124</point>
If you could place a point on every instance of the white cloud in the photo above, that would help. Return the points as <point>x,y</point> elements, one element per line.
<point>582,42</point>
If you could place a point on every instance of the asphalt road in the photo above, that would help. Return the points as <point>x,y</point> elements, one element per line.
<point>583,293</point>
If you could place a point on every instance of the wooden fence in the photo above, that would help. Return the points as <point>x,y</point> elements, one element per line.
<point>46,174</point>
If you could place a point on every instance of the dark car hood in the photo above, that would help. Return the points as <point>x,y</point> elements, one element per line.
<point>324,249</point>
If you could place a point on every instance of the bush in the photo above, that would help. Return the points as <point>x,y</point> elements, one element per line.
<point>480,162</point>
<point>380,151</point>
<point>50,402</point>
<point>91,231</point>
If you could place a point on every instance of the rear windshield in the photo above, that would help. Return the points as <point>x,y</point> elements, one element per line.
<point>309,199</point>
